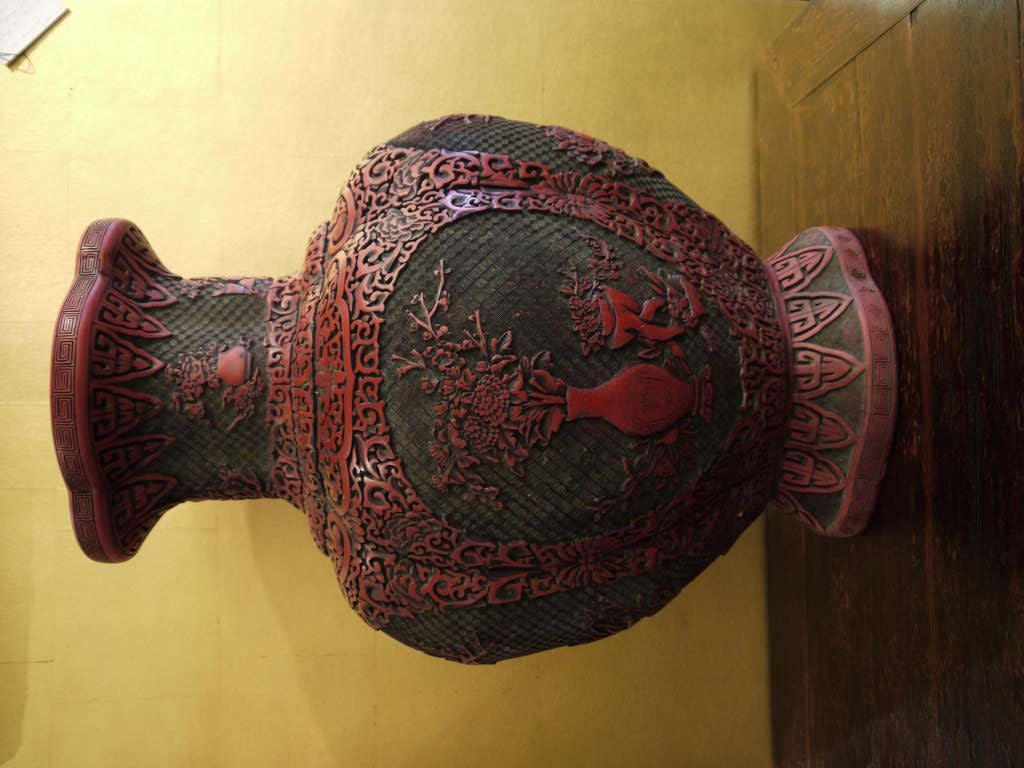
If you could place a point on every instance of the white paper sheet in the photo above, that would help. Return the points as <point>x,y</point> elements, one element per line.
<point>22,22</point>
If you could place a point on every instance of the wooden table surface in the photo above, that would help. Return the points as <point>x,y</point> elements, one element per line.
<point>905,646</point>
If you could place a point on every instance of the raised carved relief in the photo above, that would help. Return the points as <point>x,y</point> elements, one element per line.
<point>223,367</point>
<point>242,483</point>
<point>592,152</point>
<point>192,288</point>
<point>393,555</point>
<point>495,405</point>
<point>834,452</point>
<point>709,394</point>
<point>116,266</point>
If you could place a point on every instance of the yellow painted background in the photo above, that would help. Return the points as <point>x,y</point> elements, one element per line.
<point>225,129</point>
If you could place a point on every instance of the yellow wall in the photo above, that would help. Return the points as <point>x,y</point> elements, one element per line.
<point>225,130</point>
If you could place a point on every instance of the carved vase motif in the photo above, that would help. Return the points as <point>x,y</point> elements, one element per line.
<point>523,388</point>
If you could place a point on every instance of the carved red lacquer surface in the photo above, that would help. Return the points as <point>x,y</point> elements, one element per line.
<point>393,555</point>
<point>494,405</point>
<point>841,337</point>
<point>95,415</point>
<point>809,418</point>
<point>590,151</point>
<point>106,395</point>
<point>219,367</point>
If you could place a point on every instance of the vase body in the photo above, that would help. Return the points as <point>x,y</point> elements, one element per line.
<point>523,388</point>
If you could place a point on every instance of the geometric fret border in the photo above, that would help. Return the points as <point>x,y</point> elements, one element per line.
<point>65,372</point>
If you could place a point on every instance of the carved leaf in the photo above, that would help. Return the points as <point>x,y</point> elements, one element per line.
<point>124,457</point>
<point>813,426</point>
<point>796,269</point>
<point>122,314</point>
<point>116,411</point>
<point>809,313</point>
<point>127,277</point>
<point>818,369</point>
<point>115,359</point>
<point>807,471</point>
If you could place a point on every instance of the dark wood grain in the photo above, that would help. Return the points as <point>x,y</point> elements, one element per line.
<point>913,632</point>
<point>830,33</point>
<point>828,187</point>
<point>775,161</point>
<point>898,601</point>
<point>972,235</point>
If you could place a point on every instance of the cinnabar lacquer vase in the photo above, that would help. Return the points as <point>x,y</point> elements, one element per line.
<point>523,388</point>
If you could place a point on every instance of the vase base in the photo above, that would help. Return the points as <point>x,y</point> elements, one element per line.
<point>844,384</point>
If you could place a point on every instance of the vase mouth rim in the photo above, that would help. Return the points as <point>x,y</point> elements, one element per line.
<point>85,414</point>
<point>69,392</point>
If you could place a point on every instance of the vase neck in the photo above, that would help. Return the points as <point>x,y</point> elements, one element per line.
<point>161,388</point>
<point>213,388</point>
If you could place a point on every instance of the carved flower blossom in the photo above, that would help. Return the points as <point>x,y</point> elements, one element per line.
<point>492,407</point>
<point>590,151</point>
<point>583,197</point>
<point>583,293</point>
<point>588,562</point>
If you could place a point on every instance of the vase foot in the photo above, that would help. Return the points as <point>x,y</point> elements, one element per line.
<point>843,380</point>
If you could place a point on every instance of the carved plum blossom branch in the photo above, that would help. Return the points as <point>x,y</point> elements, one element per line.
<point>494,406</point>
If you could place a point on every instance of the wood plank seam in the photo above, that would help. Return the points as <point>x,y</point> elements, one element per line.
<point>825,54</point>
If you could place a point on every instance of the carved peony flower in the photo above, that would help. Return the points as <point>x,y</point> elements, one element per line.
<point>491,405</point>
<point>491,398</point>
<point>485,413</point>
